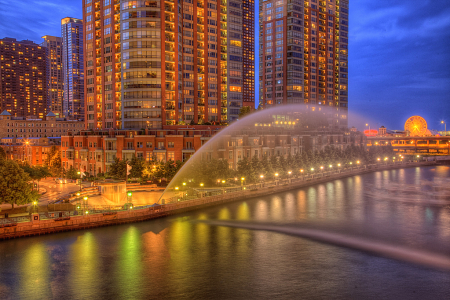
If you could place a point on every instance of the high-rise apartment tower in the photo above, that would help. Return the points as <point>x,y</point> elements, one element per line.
<point>151,62</point>
<point>23,78</point>
<point>73,67</point>
<point>55,83</point>
<point>304,54</point>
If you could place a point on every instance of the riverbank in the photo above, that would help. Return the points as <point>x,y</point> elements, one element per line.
<point>62,221</point>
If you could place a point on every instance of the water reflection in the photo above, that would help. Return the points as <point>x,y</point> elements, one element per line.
<point>85,266</point>
<point>175,258</point>
<point>128,266</point>
<point>35,273</point>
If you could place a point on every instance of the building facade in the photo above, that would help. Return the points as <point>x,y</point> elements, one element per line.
<point>304,54</point>
<point>94,152</point>
<point>73,68</point>
<point>27,127</point>
<point>33,150</point>
<point>55,82</point>
<point>155,63</point>
<point>23,73</point>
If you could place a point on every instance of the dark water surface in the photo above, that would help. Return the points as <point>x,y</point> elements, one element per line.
<point>173,258</point>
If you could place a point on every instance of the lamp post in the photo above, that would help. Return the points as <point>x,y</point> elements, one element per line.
<point>130,200</point>
<point>85,198</point>
<point>367,125</point>
<point>242,181</point>
<point>79,173</point>
<point>445,127</point>
<point>261,177</point>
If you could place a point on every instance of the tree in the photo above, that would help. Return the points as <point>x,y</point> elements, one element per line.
<point>53,161</point>
<point>245,110</point>
<point>72,173</point>
<point>15,187</point>
<point>118,169</point>
<point>137,168</point>
<point>2,154</point>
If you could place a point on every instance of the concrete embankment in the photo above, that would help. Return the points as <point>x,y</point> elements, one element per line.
<point>66,223</point>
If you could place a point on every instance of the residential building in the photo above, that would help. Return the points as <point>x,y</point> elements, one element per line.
<point>27,127</point>
<point>152,63</point>
<point>94,152</point>
<point>55,81</point>
<point>304,55</point>
<point>23,73</point>
<point>33,150</point>
<point>73,68</point>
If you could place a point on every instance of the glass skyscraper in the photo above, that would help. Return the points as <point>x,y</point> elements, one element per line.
<point>73,67</point>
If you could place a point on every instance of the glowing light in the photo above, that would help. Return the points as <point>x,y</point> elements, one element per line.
<point>261,176</point>
<point>87,212</point>
<point>312,169</point>
<point>330,166</point>
<point>289,172</point>
<point>276,174</point>
<point>378,159</point>
<point>223,181</point>
<point>129,194</point>
<point>243,178</point>
<point>321,167</point>
<point>301,171</point>
<point>176,188</point>
<point>85,198</point>
<point>351,163</point>
<point>184,183</point>
<point>339,165</point>
<point>201,184</point>
<point>357,162</point>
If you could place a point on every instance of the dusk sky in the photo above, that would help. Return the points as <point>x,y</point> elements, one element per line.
<point>399,62</point>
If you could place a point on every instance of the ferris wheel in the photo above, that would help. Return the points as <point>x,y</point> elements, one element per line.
<point>416,125</point>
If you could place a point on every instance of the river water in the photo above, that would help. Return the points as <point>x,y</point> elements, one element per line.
<point>174,258</point>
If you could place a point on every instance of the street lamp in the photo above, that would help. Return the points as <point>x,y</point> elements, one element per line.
<point>85,198</point>
<point>79,173</point>
<point>445,126</point>
<point>201,184</point>
<point>242,181</point>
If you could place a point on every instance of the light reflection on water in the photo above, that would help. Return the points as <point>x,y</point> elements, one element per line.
<point>174,258</point>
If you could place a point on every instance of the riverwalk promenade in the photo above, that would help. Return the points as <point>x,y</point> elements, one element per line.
<point>68,220</point>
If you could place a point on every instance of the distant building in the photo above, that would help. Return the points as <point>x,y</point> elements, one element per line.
<point>55,81</point>
<point>27,127</point>
<point>73,67</point>
<point>23,78</point>
<point>33,150</point>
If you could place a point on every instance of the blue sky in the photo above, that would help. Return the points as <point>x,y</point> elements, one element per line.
<point>399,63</point>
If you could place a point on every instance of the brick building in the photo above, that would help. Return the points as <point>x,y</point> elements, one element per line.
<point>95,151</point>
<point>34,150</point>
<point>27,127</point>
